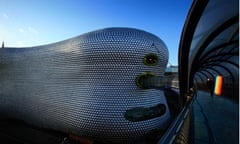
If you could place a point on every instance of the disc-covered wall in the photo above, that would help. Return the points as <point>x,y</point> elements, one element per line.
<point>87,85</point>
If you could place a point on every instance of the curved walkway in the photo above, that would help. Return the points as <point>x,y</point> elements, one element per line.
<point>215,120</point>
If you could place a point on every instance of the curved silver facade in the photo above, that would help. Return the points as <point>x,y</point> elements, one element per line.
<point>84,85</point>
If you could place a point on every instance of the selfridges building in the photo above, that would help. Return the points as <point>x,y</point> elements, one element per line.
<point>88,86</point>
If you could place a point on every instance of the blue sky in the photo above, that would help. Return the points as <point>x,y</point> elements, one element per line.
<point>37,22</point>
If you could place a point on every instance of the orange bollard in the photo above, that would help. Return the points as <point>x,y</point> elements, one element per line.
<point>218,85</point>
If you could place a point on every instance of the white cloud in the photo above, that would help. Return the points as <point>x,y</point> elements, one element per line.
<point>20,44</point>
<point>21,30</point>
<point>5,16</point>
<point>33,30</point>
